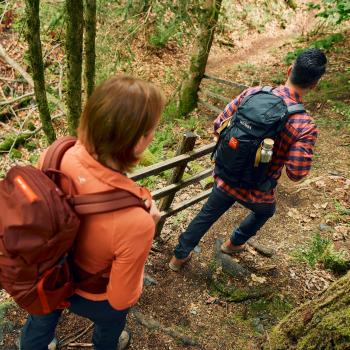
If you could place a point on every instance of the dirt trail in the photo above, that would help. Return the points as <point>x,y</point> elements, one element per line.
<point>257,47</point>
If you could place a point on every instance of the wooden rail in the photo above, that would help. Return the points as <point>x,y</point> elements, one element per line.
<point>222,99</point>
<point>224,81</point>
<point>166,195</point>
<point>171,163</point>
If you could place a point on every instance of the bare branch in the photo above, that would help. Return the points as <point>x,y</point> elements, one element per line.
<point>27,77</point>
<point>16,99</point>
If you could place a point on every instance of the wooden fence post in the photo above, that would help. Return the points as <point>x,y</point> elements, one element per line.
<point>187,144</point>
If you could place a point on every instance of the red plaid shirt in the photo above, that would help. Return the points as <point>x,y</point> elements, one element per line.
<point>293,146</point>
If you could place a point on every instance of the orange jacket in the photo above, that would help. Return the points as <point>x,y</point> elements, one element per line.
<point>121,239</point>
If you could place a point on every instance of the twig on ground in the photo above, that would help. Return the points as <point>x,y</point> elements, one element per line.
<point>268,339</point>
<point>4,146</point>
<point>51,50</point>
<point>16,99</point>
<point>60,82</point>
<point>21,129</point>
<point>13,80</point>
<point>154,325</point>
<point>4,12</point>
<point>27,77</point>
<point>70,339</point>
<point>80,345</point>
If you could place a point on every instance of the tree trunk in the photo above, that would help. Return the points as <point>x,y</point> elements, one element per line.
<point>89,45</point>
<point>37,66</point>
<point>74,48</point>
<point>190,86</point>
<point>323,323</point>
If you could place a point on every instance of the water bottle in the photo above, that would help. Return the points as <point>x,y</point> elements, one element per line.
<point>266,150</point>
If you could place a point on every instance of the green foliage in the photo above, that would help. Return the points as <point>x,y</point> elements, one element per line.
<point>189,124</point>
<point>325,44</point>
<point>31,126</point>
<point>149,182</point>
<point>52,15</point>
<point>162,34</point>
<point>33,159</point>
<point>278,78</point>
<point>343,109</point>
<point>321,250</point>
<point>292,55</point>
<point>335,90</point>
<point>172,20</point>
<point>170,111</point>
<point>336,10</point>
<point>5,324</point>
<point>15,153</point>
<point>341,209</point>
<point>30,146</point>
<point>276,306</point>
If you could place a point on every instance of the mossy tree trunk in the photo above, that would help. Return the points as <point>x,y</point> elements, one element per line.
<point>74,51</point>
<point>89,45</point>
<point>37,66</point>
<point>323,323</point>
<point>209,13</point>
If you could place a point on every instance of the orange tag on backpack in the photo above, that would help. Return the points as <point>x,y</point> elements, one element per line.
<point>233,143</point>
<point>29,193</point>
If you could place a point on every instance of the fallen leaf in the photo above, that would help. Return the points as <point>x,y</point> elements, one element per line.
<point>257,279</point>
<point>211,300</point>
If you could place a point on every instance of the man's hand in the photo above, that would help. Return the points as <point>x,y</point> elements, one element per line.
<point>153,210</point>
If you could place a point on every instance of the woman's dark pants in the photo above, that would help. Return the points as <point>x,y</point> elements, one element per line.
<point>39,330</point>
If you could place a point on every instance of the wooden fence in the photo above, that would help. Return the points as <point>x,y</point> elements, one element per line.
<point>184,155</point>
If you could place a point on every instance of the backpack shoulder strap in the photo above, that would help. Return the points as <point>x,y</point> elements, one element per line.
<point>296,108</point>
<point>103,202</point>
<point>93,203</point>
<point>56,151</point>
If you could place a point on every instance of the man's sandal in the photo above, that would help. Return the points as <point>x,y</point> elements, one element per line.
<point>228,248</point>
<point>176,264</point>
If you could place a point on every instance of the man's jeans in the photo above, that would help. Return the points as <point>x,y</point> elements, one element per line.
<point>39,330</point>
<point>218,203</point>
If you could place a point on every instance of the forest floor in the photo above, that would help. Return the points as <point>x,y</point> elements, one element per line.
<point>197,302</point>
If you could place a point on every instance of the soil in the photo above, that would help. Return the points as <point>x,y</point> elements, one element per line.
<point>186,301</point>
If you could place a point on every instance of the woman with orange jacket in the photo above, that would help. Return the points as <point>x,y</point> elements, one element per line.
<point>118,123</point>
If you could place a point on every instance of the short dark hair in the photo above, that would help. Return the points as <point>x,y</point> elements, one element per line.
<point>308,68</point>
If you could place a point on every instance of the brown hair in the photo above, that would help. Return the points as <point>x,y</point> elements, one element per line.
<point>117,114</point>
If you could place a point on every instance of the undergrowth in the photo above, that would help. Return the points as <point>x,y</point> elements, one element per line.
<point>321,249</point>
<point>326,44</point>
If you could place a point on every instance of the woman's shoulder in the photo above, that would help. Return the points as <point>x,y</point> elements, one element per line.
<point>136,219</point>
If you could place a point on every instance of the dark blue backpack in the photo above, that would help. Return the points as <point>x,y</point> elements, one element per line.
<point>260,115</point>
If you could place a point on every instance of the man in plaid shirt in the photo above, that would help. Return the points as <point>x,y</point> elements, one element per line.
<point>293,149</point>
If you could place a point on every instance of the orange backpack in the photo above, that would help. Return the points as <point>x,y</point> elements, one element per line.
<point>38,226</point>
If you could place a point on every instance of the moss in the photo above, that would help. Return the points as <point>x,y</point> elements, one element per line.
<point>5,325</point>
<point>148,158</point>
<point>275,306</point>
<point>221,283</point>
<point>323,323</point>
<point>15,153</point>
<point>12,138</point>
